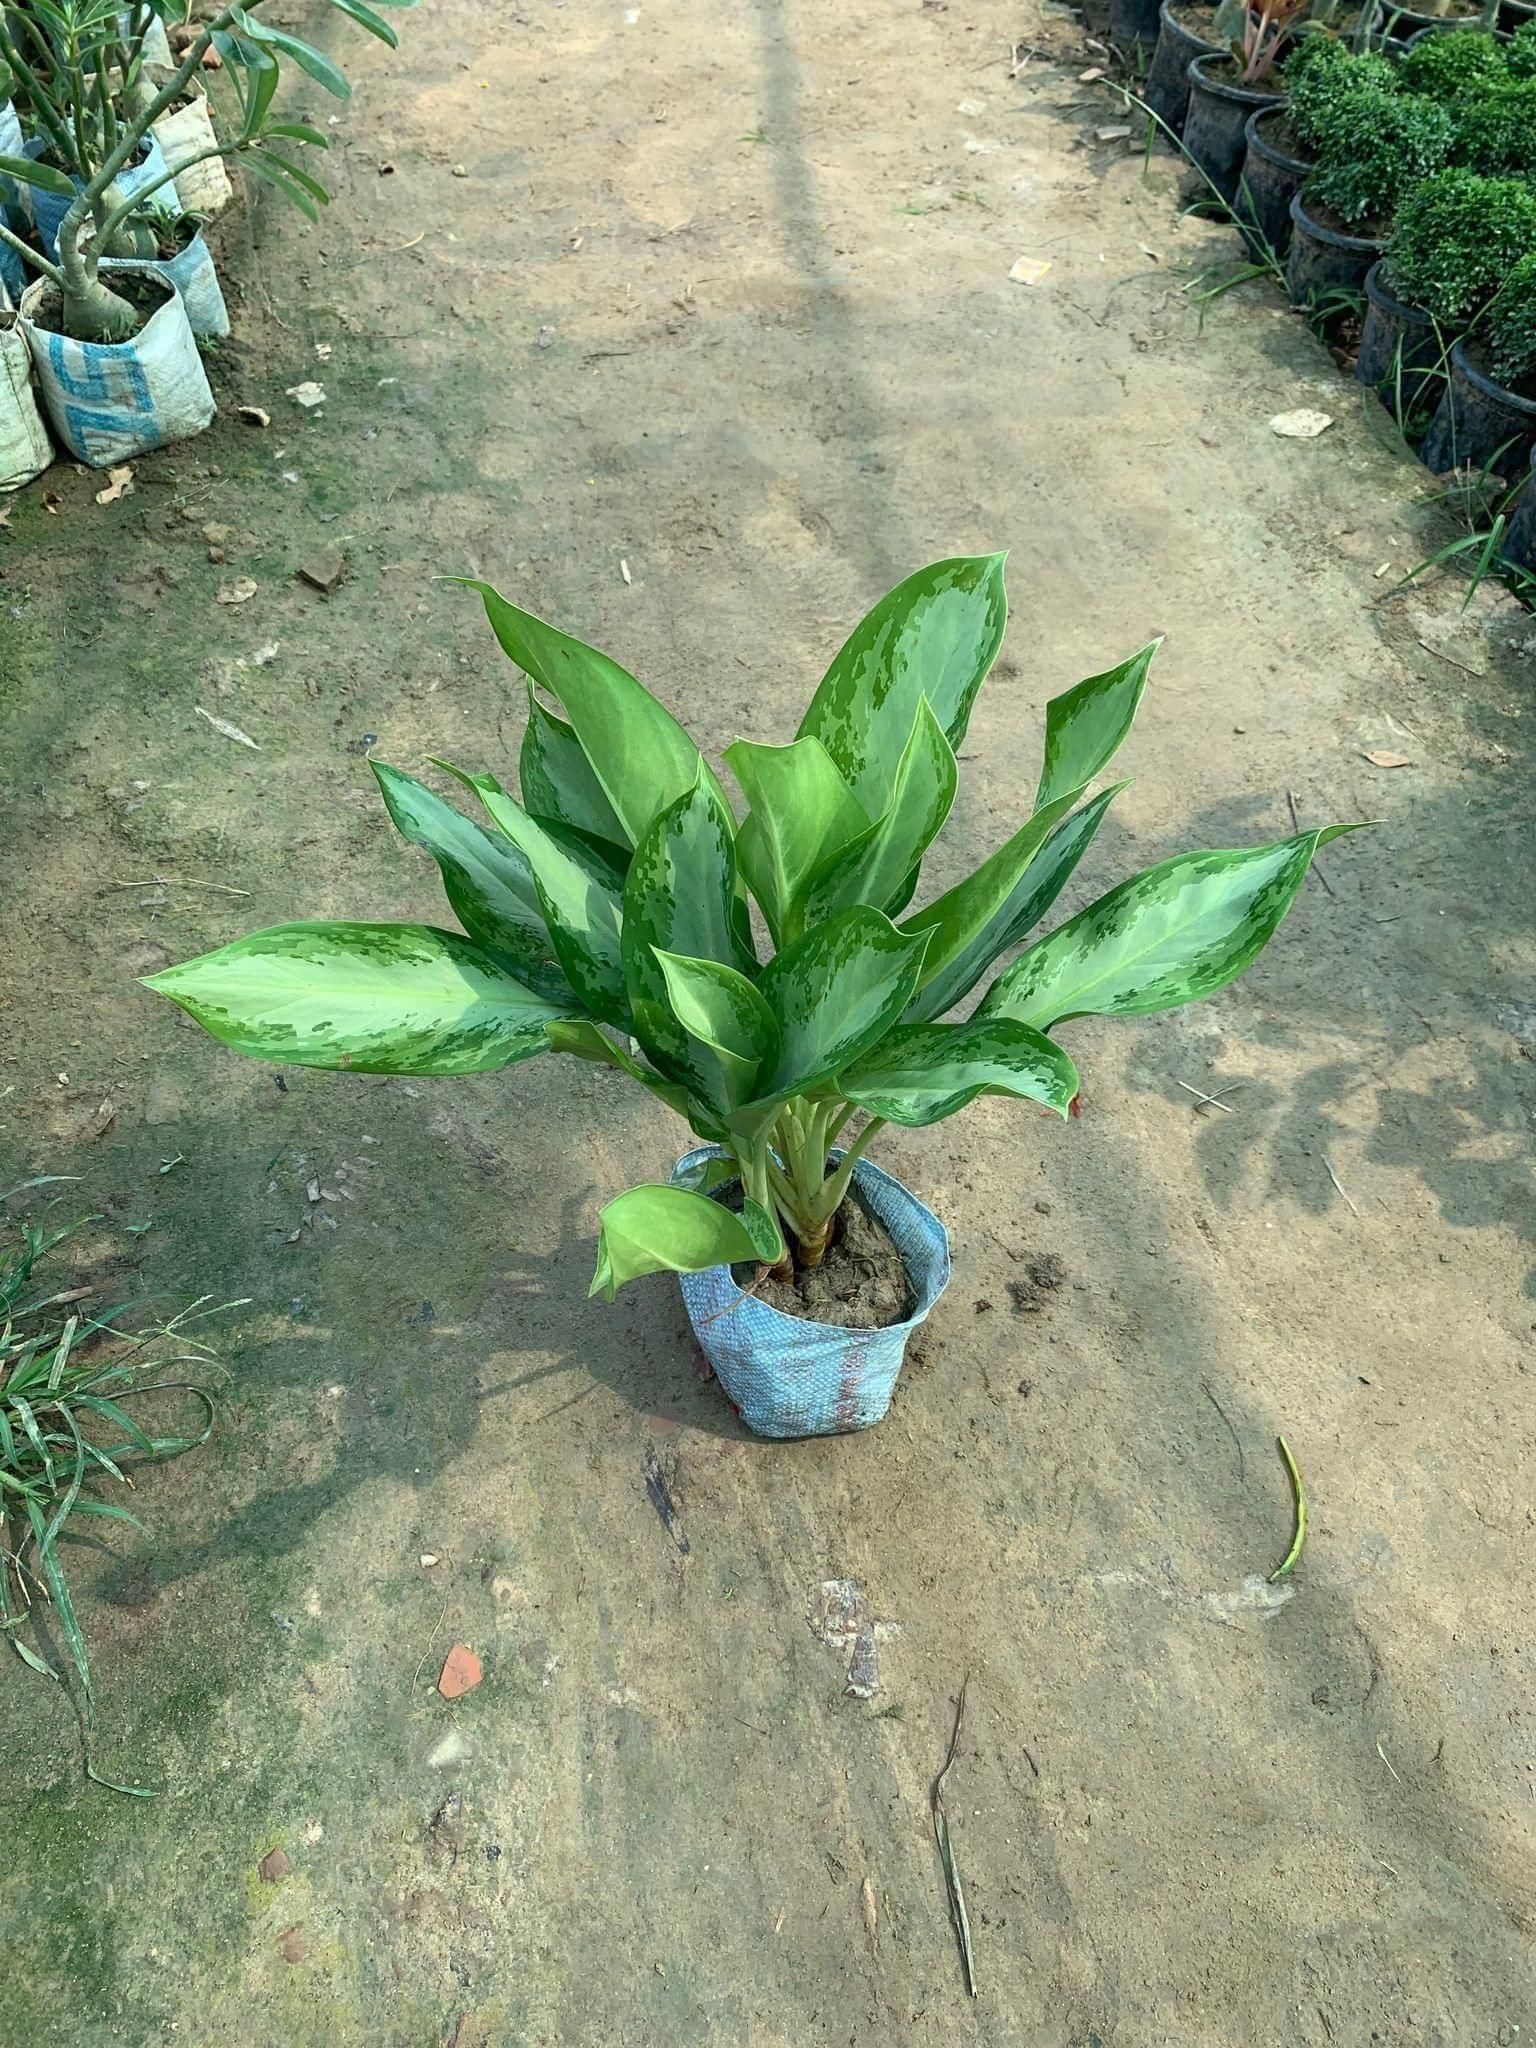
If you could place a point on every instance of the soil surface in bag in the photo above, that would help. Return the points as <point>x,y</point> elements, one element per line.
<point>146,295</point>
<point>861,1284</point>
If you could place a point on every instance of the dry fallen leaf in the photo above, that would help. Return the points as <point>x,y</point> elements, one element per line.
<point>1029,270</point>
<point>1378,758</point>
<point>241,591</point>
<point>119,485</point>
<point>230,732</point>
<point>1304,425</point>
<point>1111,134</point>
<point>1091,75</point>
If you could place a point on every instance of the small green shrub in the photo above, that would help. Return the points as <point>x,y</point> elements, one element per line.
<point>1512,324</point>
<point>1452,63</point>
<point>1457,238</point>
<point>1520,54</point>
<point>1323,77</point>
<point>1496,128</point>
<point>1373,149</point>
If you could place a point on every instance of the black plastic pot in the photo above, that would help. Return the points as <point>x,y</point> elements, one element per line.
<point>1404,24</point>
<point>1166,91</point>
<point>1218,114</point>
<point>1520,534</point>
<point>1512,15</point>
<point>1479,419</point>
<point>1325,259</point>
<point>1133,22</point>
<point>1402,357</point>
<point>1270,181</point>
<point>1500,35</point>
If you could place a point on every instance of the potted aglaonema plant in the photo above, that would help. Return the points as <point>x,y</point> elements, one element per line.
<point>607,917</point>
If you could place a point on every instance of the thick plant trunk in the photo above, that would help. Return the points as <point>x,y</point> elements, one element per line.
<point>93,313</point>
<point>813,1247</point>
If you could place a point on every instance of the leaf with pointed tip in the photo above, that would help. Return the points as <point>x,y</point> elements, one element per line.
<point>801,813</point>
<point>1084,726</point>
<point>1007,896</point>
<point>559,782</point>
<point>923,1073</point>
<point>1169,936</point>
<point>885,860</point>
<point>375,998</point>
<point>835,993</point>
<point>657,1229</point>
<point>486,879</point>
<point>722,1009</point>
<point>679,897</point>
<point>639,753</point>
<point>933,636</point>
<point>576,896</point>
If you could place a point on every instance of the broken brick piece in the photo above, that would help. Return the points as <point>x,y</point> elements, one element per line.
<point>460,1673</point>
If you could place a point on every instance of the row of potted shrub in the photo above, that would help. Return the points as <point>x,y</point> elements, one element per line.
<point>110,162</point>
<point>1406,174</point>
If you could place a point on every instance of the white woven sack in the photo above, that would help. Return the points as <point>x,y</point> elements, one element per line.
<point>191,271</point>
<point>183,133</point>
<point>110,401</point>
<point>25,450</point>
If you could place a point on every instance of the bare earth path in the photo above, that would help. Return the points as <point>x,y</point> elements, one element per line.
<point>722,294</point>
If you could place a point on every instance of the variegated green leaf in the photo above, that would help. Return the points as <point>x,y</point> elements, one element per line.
<point>680,897</point>
<point>486,879</point>
<point>672,1230</point>
<point>880,867</point>
<point>375,998</point>
<point>835,993</point>
<point>576,896</point>
<point>1169,936</point>
<point>801,814</point>
<point>558,781</point>
<point>1085,726</point>
<point>1007,896</point>
<point>639,753</point>
<point>934,636</point>
<point>922,1073</point>
<point>721,1008</point>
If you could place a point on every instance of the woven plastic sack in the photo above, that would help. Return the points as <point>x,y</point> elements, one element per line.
<point>49,209</point>
<point>13,211</point>
<point>191,271</point>
<point>110,401</point>
<point>25,450</point>
<point>789,1377</point>
<point>185,132</point>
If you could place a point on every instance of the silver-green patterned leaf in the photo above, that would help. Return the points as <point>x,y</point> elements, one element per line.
<point>375,998</point>
<point>558,782</point>
<point>576,896</point>
<point>935,636</point>
<point>719,1006</point>
<point>1084,726</point>
<point>922,1073</point>
<point>656,1229</point>
<point>486,879</point>
<point>641,756</point>
<point>801,814</point>
<point>1178,932</point>
<point>880,868</point>
<point>835,993</point>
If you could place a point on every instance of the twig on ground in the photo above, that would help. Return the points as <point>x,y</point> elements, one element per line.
<point>1339,1185</point>
<point>1242,1463</point>
<point>179,882</point>
<point>946,1851</point>
<point>1215,1101</point>
<point>441,1617</point>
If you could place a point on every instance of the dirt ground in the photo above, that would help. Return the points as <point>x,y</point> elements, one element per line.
<point>691,326</point>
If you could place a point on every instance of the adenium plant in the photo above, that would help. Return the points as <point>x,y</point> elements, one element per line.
<point>609,915</point>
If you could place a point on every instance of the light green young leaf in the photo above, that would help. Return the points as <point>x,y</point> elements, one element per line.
<point>559,782</point>
<point>1169,936</point>
<point>802,814</point>
<point>639,753</point>
<point>576,899</point>
<point>923,1073</point>
<point>670,1230</point>
<point>28,171</point>
<point>721,1008</point>
<point>1084,726</point>
<point>883,862</point>
<point>935,636</point>
<point>375,998</point>
<point>835,993</point>
<point>487,881</point>
<point>1007,896</point>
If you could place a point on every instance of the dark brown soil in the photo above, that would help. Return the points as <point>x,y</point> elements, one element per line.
<point>1281,135</point>
<point>1197,18</point>
<point>1371,230</point>
<point>145,292</point>
<point>861,1284</point>
<point>1044,1272</point>
<point>1229,72</point>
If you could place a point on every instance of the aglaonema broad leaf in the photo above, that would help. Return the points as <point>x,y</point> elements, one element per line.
<point>801,814</point>
<point>657,1229</point>
<point>375,998</point>
<point>880,866</point>
<point>922,1073</point>
<point>835,993</point>
<point>935,636</point>
<point>719,1006</point>
<point>1084,726</point>
<point>559,783</point>
<point>1169,936</point>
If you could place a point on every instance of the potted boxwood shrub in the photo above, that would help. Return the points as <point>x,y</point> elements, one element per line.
<point>607,918</point>
<point>1373,150</point>
<point>1227,86</point>
<point>1454,244</point>
<point>115,355</point>
<point>1452,67</point>
<point>1496,129</point>
<point>1321,75</point>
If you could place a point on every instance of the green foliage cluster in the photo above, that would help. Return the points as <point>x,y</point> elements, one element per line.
<point>1323,79</point>
<point>1374,149</point>
<point>1452,64</point>
<point>1456,240</point>
<point>1511,324</point>
<point>1496,127</point>
<point>1520,52</point>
